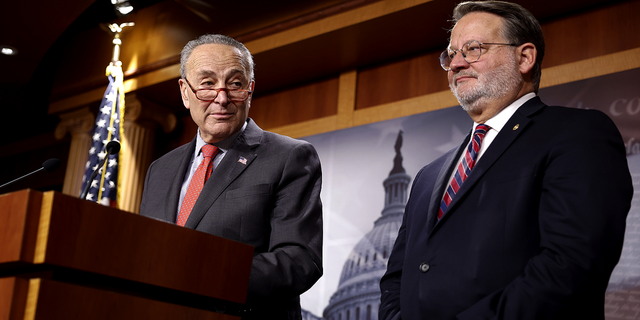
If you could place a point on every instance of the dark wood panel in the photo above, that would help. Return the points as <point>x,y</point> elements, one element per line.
<point>80,241</point>
<point>400,80</point>
<point>307,102</point>
<point>13,297</point>
<point>18,232</point>
<point>591,34</point>
<point>56,300</point>
<point>101,240</point>
<point>568,39</point>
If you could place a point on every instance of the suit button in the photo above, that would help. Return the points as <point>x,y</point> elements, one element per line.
<point>424,267</point>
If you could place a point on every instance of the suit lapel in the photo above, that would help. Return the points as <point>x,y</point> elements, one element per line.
<point>442,182</point>
<point>509,133</point>
<point>238,158</point>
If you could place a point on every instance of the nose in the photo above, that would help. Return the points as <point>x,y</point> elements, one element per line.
<point>222,98</point>
<point>458,62</point>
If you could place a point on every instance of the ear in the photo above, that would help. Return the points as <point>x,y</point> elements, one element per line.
<point>527,54</point>
<point>252,87</point>
<point>184,92</point>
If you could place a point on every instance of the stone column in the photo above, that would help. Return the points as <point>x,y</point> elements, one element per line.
<point>141,120</point>
<point>78,123</point>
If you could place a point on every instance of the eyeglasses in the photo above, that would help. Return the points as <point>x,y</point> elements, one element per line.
<point>207,95</point>
<point>471,52</point>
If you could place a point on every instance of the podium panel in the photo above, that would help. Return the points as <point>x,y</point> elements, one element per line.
<point>66,242</point>
<point>41,299</point>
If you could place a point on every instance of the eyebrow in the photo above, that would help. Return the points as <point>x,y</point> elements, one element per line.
<point>209,73</point>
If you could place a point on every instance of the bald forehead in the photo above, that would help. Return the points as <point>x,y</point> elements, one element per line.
<point>208,58</point>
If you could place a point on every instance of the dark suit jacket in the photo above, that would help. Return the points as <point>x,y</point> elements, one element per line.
<point>533,233</point>
<point>272,203</point>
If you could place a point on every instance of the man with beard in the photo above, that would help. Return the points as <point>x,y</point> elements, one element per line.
<point>263,189</point>
<point>526,219</point>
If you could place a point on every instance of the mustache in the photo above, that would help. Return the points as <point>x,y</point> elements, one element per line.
<point>465,74</point>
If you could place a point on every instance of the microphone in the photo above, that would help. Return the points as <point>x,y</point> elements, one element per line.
<point>48,166</point>
<point>113,147</point>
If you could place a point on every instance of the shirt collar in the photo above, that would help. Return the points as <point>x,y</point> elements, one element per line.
<point>500,119</point>
<point>223,145</point>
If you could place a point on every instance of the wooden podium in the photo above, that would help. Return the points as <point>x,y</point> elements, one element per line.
<point>66,258</point>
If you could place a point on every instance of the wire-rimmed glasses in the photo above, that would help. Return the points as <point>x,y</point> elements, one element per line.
<point>471,52</point>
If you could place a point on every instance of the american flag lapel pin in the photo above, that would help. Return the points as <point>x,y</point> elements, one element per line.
<point>243,160</point>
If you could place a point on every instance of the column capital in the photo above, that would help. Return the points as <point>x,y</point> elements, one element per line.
<point>79,121</point>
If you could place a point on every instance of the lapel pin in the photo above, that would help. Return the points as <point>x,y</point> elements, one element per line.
<point>516,127</point>
<point>243,160</point>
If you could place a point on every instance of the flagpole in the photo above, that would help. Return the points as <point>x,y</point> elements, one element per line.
<point>116,29</point>
<point>115,68</point>
<point>105,188</point>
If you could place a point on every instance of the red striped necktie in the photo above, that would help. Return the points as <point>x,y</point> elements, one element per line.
<point>197,182</point>
<point>464,168</point>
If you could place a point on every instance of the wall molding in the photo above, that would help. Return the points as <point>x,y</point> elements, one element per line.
<point>570,72</point>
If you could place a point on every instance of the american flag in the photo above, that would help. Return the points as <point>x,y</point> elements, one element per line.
<point>109,126</point>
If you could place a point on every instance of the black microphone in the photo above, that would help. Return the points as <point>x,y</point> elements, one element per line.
<point>112,147</point>
<point>48,166</point>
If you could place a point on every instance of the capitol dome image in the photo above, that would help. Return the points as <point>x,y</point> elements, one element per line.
<point>358,293</point>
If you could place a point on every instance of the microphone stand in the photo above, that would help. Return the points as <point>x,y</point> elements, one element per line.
<point>26,175</point>
<point>112,147</point>
<point>48,166</point>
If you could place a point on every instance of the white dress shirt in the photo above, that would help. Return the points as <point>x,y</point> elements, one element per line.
<point>197,157</point>
<point>496,123</point>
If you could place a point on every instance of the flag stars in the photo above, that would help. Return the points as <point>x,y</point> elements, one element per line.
<point>107,128</point>
<point>105,110</point>
<point>111,97</point>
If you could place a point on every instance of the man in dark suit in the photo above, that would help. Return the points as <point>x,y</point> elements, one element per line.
<point>527,221</point>
<point>263,189</point>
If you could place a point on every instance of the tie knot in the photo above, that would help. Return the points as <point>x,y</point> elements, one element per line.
<point>208,150</point>
<point>482,129</point>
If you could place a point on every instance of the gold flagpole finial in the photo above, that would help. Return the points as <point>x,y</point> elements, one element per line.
<point>116,29</point>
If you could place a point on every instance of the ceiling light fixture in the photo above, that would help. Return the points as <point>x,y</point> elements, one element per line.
<point>123,7</point>
<point>9,51</point>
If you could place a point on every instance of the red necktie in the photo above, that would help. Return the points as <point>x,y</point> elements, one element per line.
<point>464,168</point>
<point>197,182</point>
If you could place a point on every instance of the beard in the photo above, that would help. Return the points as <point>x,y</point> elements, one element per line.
<point>491,85</point>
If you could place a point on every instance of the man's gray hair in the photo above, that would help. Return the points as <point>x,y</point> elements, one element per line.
<point>520,27</point>
<point>216,39</point>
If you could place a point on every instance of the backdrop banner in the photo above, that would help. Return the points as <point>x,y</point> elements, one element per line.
<point>360,176</point>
